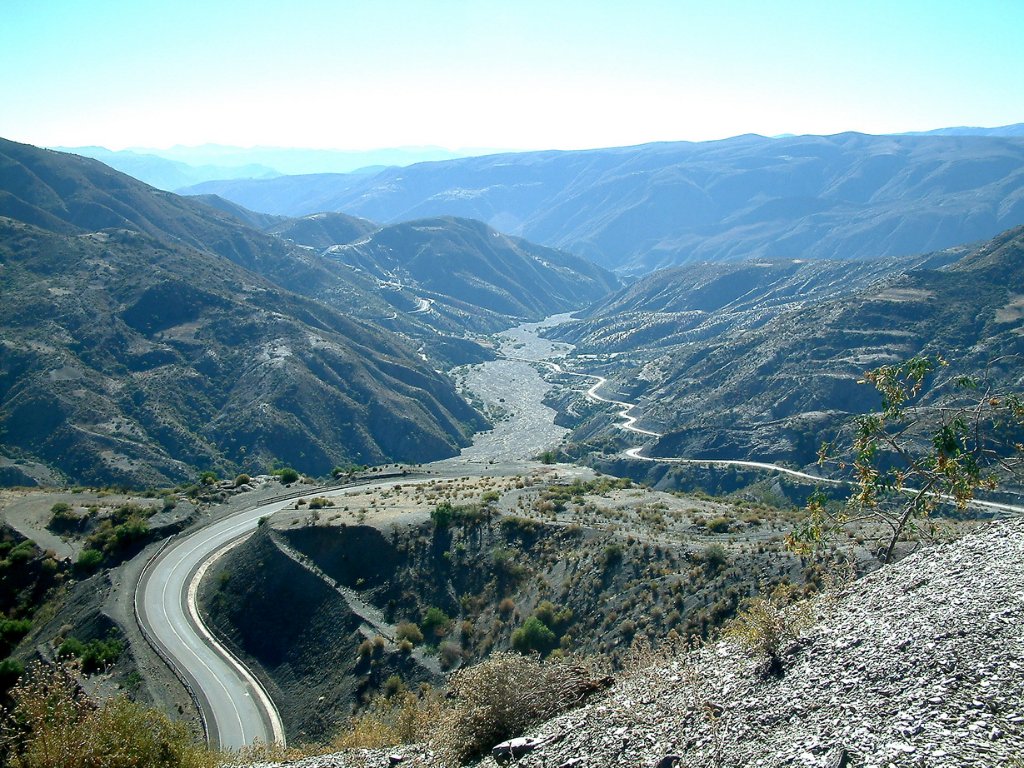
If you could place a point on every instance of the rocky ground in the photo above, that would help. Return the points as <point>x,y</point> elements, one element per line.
<point>918,664</point>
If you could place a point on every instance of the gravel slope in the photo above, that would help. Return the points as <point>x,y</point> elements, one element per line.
<point>918,664</point>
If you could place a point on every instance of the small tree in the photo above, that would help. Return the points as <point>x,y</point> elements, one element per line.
<point>911,457</point>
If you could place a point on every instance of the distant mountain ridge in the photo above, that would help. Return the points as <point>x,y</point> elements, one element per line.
<point>636,209</point>
<point>181,166</point>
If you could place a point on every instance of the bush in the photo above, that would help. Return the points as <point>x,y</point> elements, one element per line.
<point>59,726</point>
<point>10,671</point>
<point>400,718</point>
<point>11,632</point>
<point>89,560</point>
<point>534,636</point>
<point>442,514</point>
<point>94,655</point>
<point>435,623</point>
<point>287,476</point>
<point>767,628</point>
<point>719,525</point>
<point>409,632</point>
<point>62,517</point>
<point>449,654</point>
<point>715,557</point>
<point>242,479</point>
<point>501,697</point>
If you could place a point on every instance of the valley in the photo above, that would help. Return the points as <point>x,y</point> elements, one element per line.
<point>447,442</point>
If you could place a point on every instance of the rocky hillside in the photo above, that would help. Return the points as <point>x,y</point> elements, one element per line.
<point>637,209</point>
<point>144,338</point>
<point>759,375</point>
<point>522,562</point>
<point>918,664</point>
<point>460,274</point>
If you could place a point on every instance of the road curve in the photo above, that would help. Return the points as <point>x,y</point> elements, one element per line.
<point>629,424</point>
<point>236,709</point>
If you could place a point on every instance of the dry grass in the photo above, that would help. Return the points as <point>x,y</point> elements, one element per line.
<point>501,697</point>
<point>52,723</point>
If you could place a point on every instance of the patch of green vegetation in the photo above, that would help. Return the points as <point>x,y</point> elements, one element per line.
<point>95,655</point>
<point>286,475</point>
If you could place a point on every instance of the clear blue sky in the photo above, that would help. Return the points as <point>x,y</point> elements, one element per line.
<point>520,75</point>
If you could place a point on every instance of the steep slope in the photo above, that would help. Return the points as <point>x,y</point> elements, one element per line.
<point>70,194</point>
<point>640,208</point>
<point>701,301</point>
<point>774,391</point>
<point>322,230</point>
<point>133,352</point>
<point>457,273</point>
<point>916,664</point>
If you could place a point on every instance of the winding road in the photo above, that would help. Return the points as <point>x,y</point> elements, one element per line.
<point>629,424</point>
<point>236,709</point>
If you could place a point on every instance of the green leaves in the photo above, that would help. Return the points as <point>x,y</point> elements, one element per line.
<point>913,456</point>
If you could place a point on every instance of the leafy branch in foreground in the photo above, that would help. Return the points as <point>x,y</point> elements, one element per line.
<point>909,458</point>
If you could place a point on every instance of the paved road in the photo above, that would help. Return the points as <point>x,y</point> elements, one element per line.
<point>236,709</point>
<point>629,424</point>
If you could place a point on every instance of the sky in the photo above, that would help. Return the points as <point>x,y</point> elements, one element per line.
<point>524,74</point>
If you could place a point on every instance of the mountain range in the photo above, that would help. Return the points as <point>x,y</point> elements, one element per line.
<point>636,209</point>
<point>147,336</point>
<point>182,166</point>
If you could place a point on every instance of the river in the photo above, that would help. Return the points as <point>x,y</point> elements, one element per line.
<point>517,389</point>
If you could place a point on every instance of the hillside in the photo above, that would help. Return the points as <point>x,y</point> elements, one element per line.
<point>143,341</point>
<point>774,391</point>
<point>918,663</point>
<point>703,301</point>
<point>599,561</point>
<point>636,209</point>
<point>460,274</point>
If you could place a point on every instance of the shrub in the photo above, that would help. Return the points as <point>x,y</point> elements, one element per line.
<point>287,475</point>
<point>506,606</point>
<point>534,636</point>
<point>714,557</point>
<point>11,632</point>
<point>89,560</point>
<point>60,726</point>
<point>95,655</point>
<point>767,628</point>
<point>442,515</point>
<point>62,516</point>
<point>242,479</point>
<point>719,525</point>
<point>435,623</point>
<point>409,632</point>
<point>501,697</point>
<point>10,671</point>
<point>401,718</point>
<point>449,654</point>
